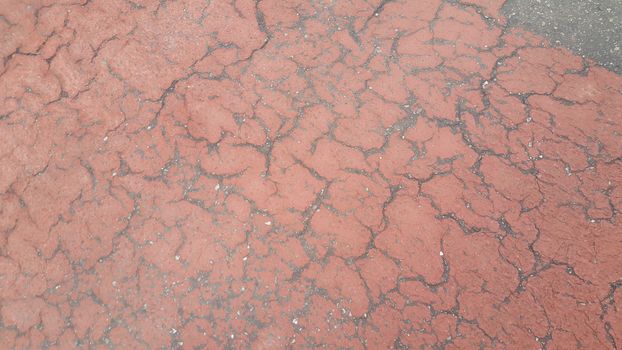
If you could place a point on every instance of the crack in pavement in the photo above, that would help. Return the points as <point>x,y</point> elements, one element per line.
<point>268,174</point>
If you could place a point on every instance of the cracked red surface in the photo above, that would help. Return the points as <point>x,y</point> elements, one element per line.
<point>351,174</point>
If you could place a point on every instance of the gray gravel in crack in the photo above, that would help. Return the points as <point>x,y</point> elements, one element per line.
<point>592,28</point>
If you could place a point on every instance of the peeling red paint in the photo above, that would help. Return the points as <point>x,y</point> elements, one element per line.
<point>394,174</point>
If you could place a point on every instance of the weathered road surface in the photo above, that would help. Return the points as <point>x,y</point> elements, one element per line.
<point>592,28</point>
<point>299,174</point>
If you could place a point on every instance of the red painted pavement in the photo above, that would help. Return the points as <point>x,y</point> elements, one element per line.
<point>299,174</point>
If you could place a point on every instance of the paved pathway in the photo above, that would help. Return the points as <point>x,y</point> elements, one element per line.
<point>303,174</point>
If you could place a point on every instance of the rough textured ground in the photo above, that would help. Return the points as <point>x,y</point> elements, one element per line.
<point>590,27</point>
<point>300,174</point>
